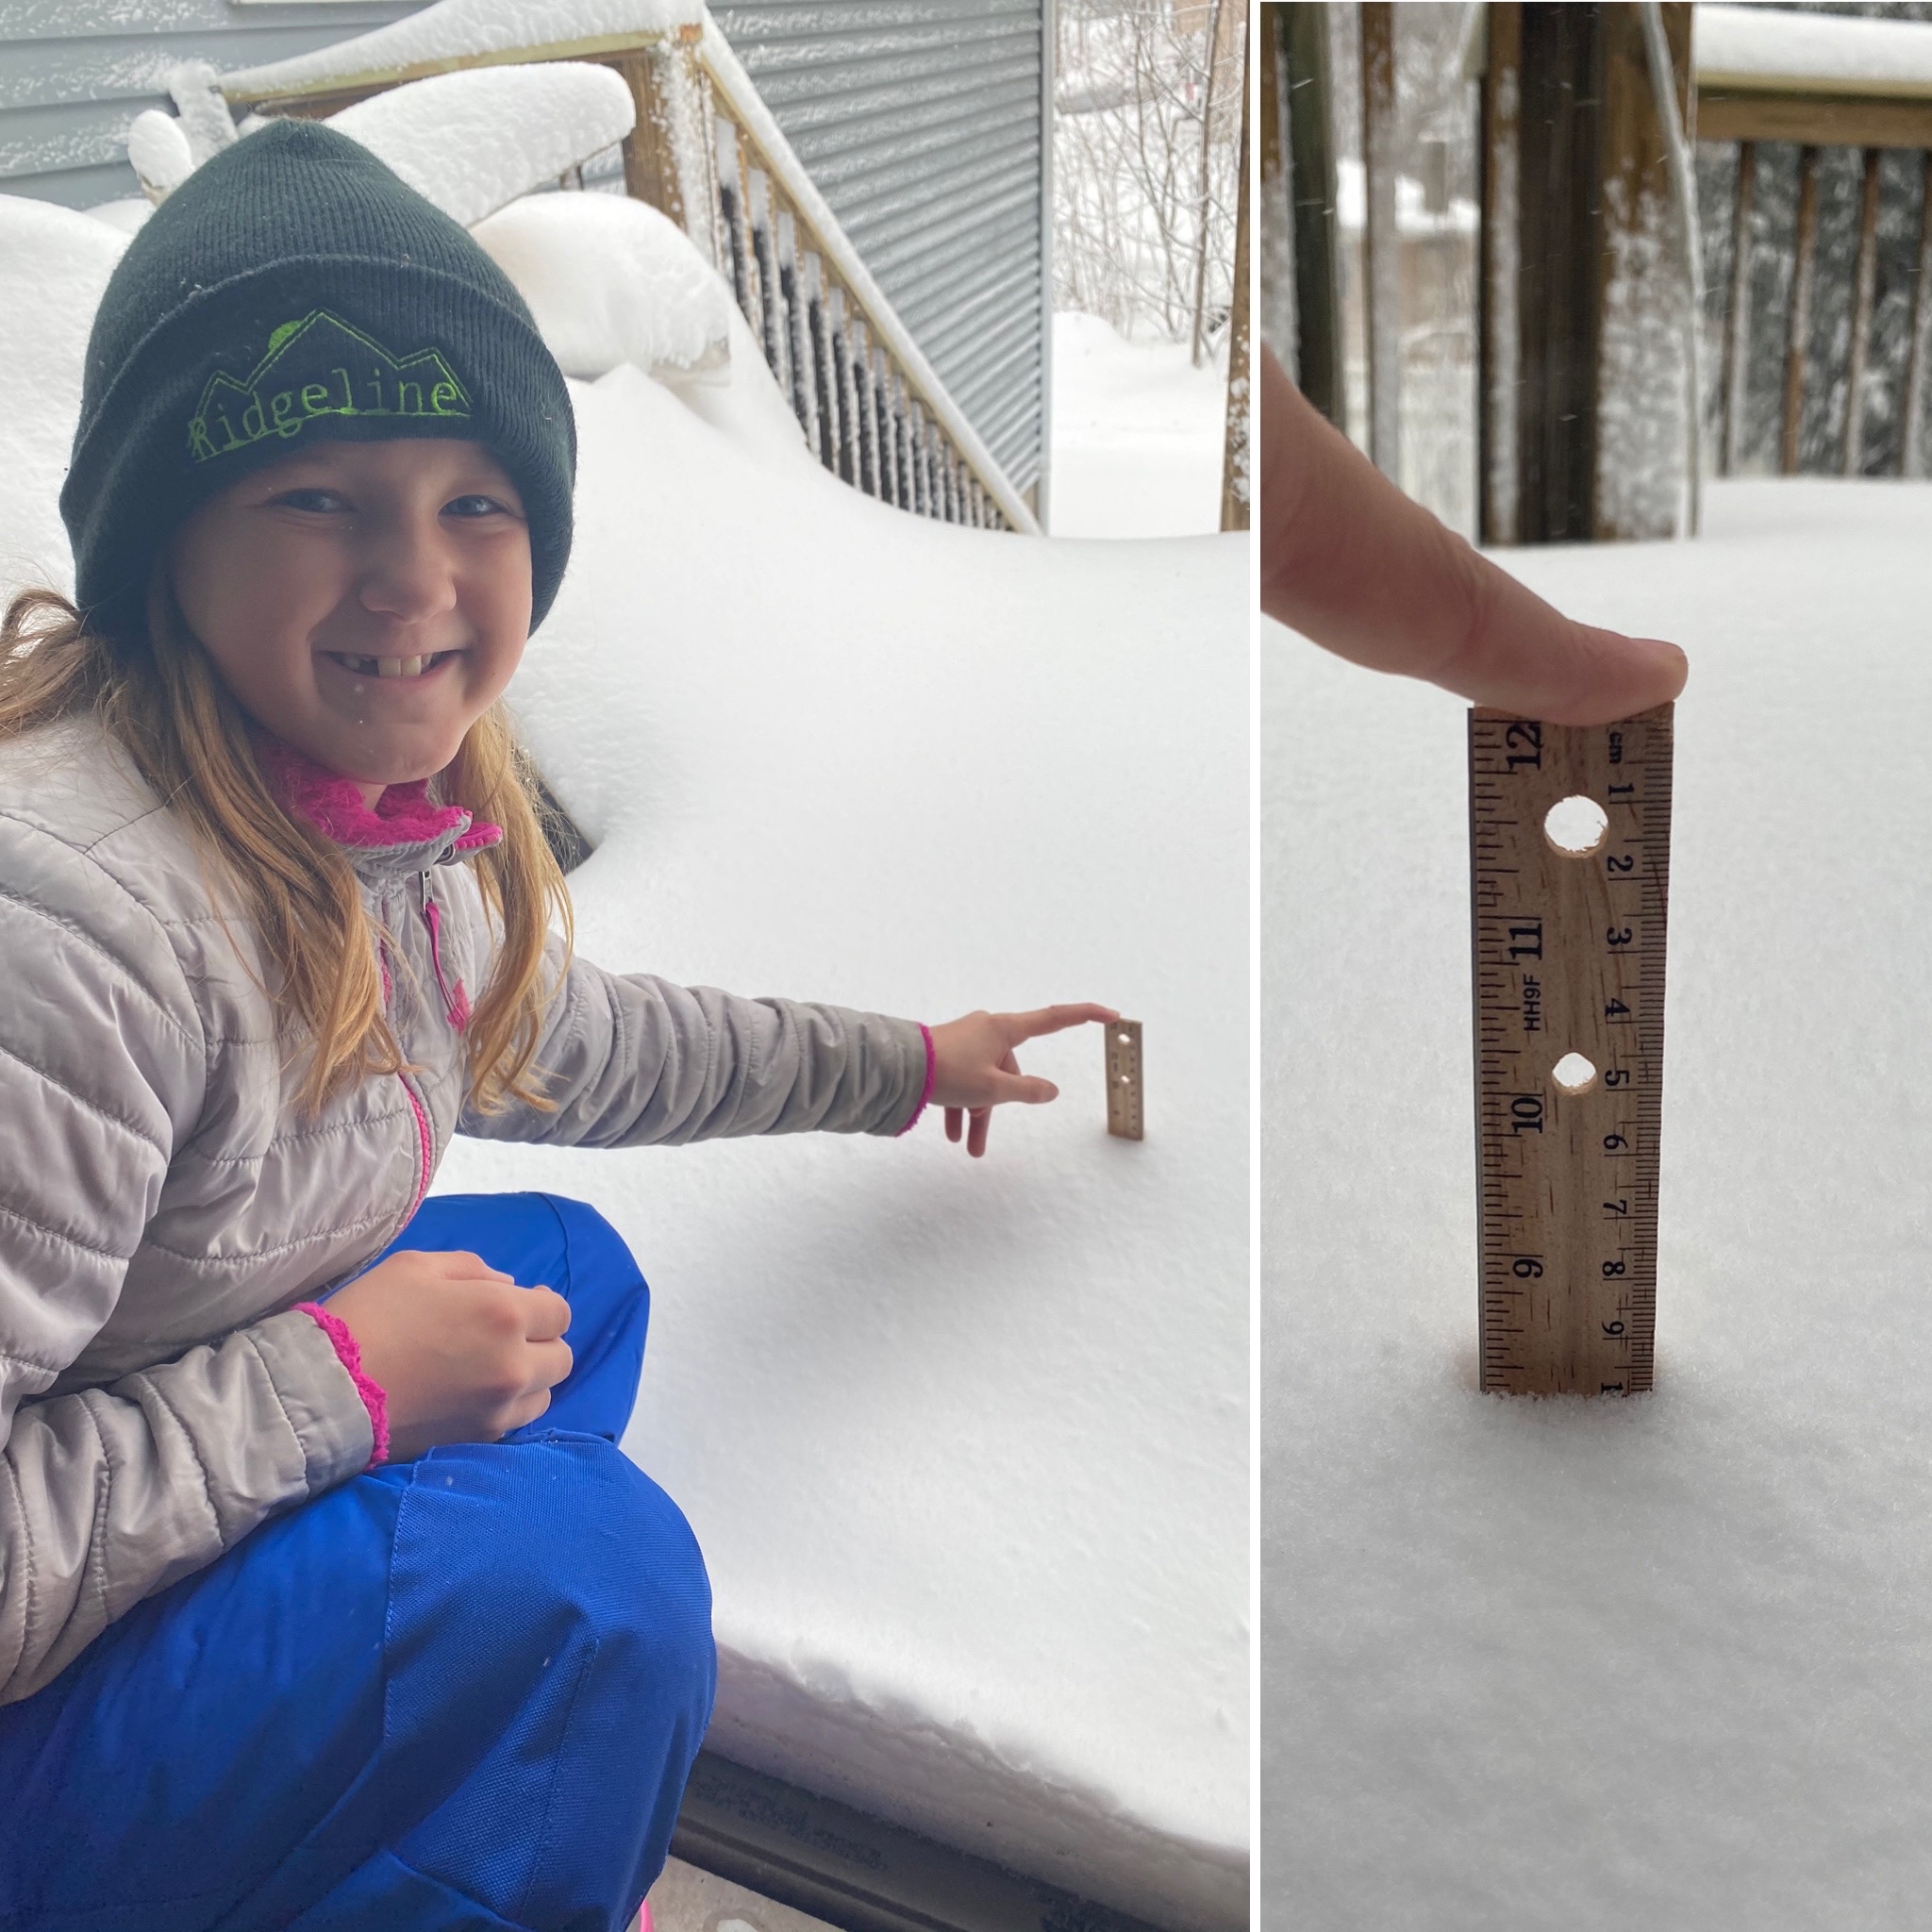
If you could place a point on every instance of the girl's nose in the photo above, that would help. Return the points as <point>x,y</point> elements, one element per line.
<point>407,573</point>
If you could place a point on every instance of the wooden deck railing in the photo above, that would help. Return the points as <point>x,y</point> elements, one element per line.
<point>706,151</point>
<point>1867,126</point>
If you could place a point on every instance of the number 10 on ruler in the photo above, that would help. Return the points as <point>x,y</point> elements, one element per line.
<point>1570,834</point>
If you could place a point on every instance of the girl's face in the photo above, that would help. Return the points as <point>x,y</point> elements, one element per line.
<point>366,602</point>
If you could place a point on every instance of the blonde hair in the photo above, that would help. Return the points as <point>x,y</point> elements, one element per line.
<point>166,704</point>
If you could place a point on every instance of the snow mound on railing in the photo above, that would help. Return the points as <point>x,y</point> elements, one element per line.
<point>464,30</point>
<point>1767,48</point>
<point>473,142</point>
<point>54,264</point>
<point>612,280</point>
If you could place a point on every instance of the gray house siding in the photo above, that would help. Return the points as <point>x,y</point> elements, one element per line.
<point>922,122</point>
<point>75,73</point>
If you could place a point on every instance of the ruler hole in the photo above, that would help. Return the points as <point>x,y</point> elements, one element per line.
<point>1572,1073</point>
<point>1576,825</point>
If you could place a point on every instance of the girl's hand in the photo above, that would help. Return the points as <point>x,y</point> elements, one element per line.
<point>973,1068</point>
<point>462,1352</point>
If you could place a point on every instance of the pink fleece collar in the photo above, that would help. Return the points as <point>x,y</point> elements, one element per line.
<point>404,815</point>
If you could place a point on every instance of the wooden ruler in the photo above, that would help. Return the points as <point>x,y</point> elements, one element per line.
<point>1125,1115</point>
<point>1567,914</point>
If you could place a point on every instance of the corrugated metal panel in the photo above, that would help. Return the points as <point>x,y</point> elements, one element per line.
<point>922,124</point>
<point>75,73</point>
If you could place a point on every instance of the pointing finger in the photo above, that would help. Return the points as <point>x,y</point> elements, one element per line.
<point>1044,1019</point>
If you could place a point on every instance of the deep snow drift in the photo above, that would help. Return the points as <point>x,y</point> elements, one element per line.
<point>1583,1664</point>
<point>965,1443</point>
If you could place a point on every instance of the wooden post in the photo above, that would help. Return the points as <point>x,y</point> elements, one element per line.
<point>1381,246</point>
<point>1558,272</point>
<point>1236,469</point>
<point>650,160</point>
<point>1582,282</point>
<point>1798,337</point>
<point>1641,450</point>
<point>1275,212</point>
<point>1499,312</point>
<point>1319,372</point>
<point>1853,442</point>
<point>1911,454</point>
<point>1738,323</point>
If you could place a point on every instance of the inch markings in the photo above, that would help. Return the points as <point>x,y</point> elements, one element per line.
<point>1568,933</point>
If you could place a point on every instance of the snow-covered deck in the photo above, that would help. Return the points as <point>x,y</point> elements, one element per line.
<point>1665,1662</point>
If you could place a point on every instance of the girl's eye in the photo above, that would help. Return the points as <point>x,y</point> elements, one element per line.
<point>320,500</point>
<point>474,507</point>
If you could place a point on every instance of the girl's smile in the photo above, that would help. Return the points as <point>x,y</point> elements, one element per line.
<point>366,602</point>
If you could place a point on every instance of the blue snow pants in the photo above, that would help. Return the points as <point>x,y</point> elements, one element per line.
<point>459,1692</point>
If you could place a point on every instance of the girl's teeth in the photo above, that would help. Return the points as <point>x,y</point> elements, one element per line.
<point>388,667</point>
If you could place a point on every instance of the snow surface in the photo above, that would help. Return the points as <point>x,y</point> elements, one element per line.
<point>126,214</point>
<point>461,29</point>
<point>54,264</point>
<point>1578,1664</point>
<point>1137,434</point>
<point>610,280</point>
<point>472,142</point>
<point>964,1444</point>
<point>1767,47</point>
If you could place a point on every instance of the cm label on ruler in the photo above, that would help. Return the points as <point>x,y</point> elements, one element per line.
<point>1569,836</point>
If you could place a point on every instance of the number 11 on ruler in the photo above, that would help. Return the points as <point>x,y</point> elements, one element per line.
<point>1570,847</point>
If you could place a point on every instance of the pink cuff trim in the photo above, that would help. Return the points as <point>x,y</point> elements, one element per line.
<point>374,1400</point>
<point>931,1068</point>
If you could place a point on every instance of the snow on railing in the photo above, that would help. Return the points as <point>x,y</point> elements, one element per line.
<point>708,151</point>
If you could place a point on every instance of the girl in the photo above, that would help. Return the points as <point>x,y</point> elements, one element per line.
<point>327,1598</point>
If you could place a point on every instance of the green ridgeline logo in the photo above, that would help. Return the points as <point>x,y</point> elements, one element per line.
<point>320,366</point>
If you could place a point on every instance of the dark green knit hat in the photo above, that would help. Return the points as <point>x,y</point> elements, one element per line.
<point>293,288</point>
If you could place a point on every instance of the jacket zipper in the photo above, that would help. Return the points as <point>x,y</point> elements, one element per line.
<point>425,1140</point>
<point>455,1005</point>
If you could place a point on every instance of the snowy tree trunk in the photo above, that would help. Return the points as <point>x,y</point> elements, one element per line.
<point>1235,465</point>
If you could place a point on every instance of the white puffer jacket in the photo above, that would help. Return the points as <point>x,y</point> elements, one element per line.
<point>163,1204</point>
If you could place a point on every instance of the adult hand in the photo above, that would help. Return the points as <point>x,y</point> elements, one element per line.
<point>462,1352</point>
<point>1353,563</point>
<point>973,1068</point>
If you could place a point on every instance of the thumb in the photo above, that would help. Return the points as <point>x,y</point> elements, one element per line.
<point>1029,1088</point>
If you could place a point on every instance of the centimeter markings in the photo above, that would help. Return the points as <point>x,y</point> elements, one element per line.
<point>1569,958</point>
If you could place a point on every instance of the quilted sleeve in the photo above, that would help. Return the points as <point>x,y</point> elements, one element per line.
<point>632,1060</point>
<point>108,1494</point>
